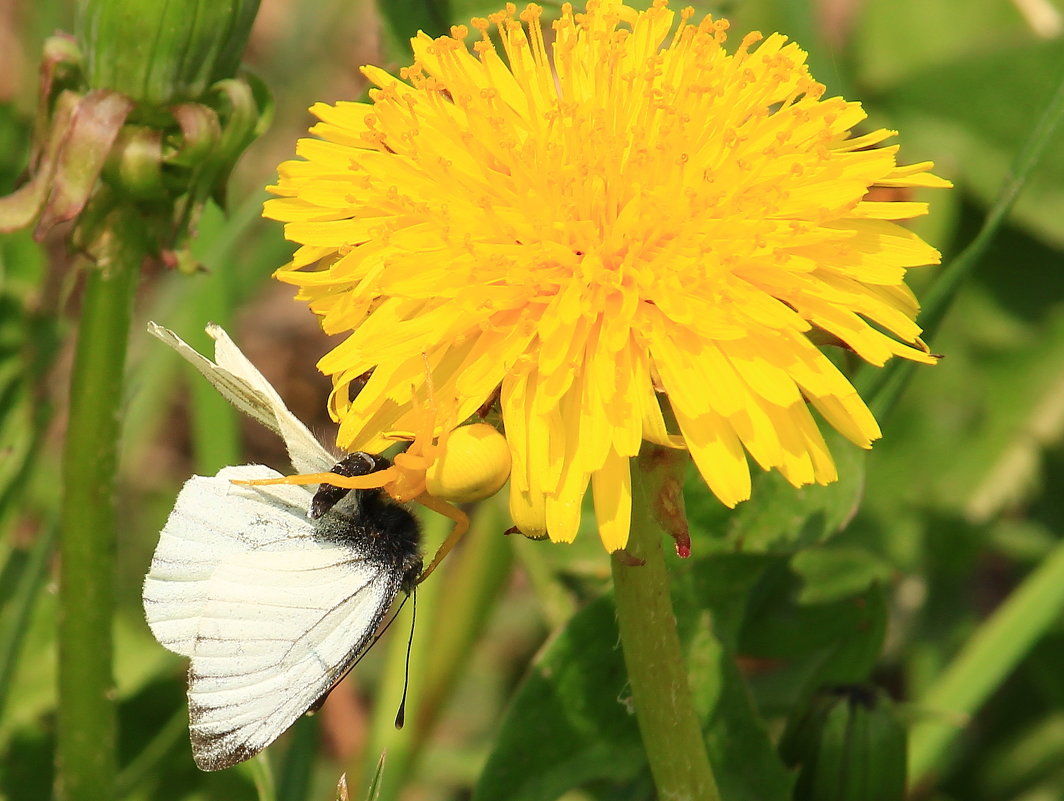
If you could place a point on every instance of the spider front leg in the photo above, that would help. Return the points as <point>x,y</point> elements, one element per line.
<point>461,526</point>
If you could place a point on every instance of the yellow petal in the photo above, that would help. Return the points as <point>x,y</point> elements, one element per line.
<point>611,489</point>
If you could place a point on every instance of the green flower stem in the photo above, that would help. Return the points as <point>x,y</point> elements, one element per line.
<point>657,672</point>
<point>86,739</point>
<point>986,660</point>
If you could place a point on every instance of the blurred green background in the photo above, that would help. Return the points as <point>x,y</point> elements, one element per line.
<point>961,499</point>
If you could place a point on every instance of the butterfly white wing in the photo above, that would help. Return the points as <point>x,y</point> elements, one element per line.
<point>269,608</point>
<point>212,520</point>
<point>240,383</point>
<point>276,630</point>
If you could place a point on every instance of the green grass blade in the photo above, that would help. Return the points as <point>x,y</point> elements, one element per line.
<point>985,661</point>
<point>31,579</point>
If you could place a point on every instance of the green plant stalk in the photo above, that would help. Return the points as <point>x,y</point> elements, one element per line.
<point>216,437</point>
<point>884,387</point>
<point>657,673</point>
<point>985,661</point>
<point>86,739</point>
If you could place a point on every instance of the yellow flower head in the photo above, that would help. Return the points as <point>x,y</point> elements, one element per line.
<point>591,227</point>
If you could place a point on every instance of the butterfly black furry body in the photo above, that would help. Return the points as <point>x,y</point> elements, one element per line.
<point>368,520</point>
<point>274,594</point>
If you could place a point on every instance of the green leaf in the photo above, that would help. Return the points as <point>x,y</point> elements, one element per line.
<point>724,583</point>
<point>296,768</point>
<point>24,575</point>
<point>809,645</point>
<point>1024,758</point>
<point>374,790</point>
<point>31,692</point>
<point>28,345</point>
<point>835,573</point>
<point>736,738</point>
<point>402,19</point>
<point>969,435</point>
<point>570,723</point>
<point>932,33</point>
<point>780,518</point>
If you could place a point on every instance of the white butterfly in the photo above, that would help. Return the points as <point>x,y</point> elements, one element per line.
<point>272,606</point>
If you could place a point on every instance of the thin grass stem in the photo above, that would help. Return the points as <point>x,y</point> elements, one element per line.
<point>986,660</point>
<point>884,387</point>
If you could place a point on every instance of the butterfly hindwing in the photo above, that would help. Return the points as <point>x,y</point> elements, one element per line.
<point>277,630</point>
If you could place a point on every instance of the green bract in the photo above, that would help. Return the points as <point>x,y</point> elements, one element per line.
<point>162,52</point>
<point>849,745</point>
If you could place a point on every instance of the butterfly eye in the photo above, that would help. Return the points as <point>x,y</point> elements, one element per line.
<point>328,495</point>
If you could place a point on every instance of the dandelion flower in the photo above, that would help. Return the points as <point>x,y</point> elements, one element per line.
<point>626,219</point>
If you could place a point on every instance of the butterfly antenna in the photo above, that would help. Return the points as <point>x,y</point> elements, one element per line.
<point>400,716</point>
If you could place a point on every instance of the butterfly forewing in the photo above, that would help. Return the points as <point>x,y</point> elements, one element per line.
<point>213,519</point>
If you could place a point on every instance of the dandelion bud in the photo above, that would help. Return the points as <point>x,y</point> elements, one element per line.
<point>143,109</point>
<point>848,744</point>
<point>159,53</point>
